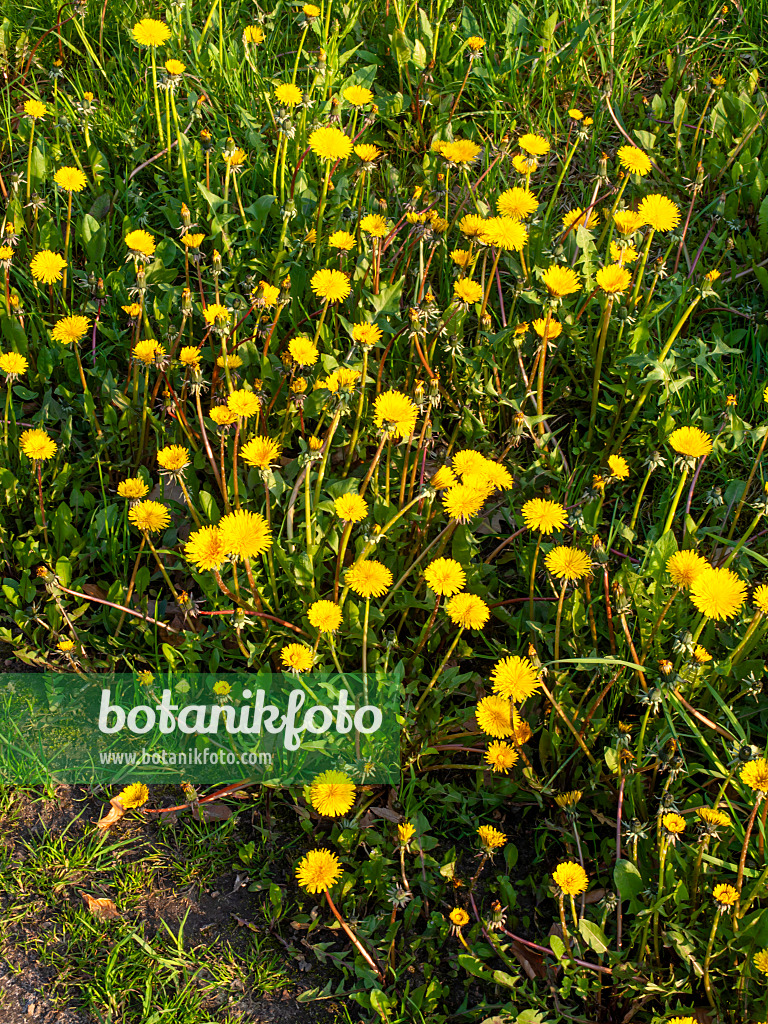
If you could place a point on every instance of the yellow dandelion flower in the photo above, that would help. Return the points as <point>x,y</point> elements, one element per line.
<point>173,458</point>
<point>190,356</point>
<point>711,816</point>
<point>494,716</point>
<point>70,329</point>
<point>570,878</point>
<point>135,795</point>
<point>342,240</point>
<point>578,219</point>
<point>330,143</point>
<point>468,611</point>
<point>561,281</point>
<point>325,616</point>
<point>554,328</point>
<point>459,917</point>
<point>568,563</point>
<point>150,516</point>
<point>463,501</point>
<point>245,534</point>
<point>543,515</point>
<point>205,548</point>
<point>297,658</point>
<point>627,221</point>
<point>288,94</point>
<point>659,213</point>
<point>318,871</point>
<point>151,32</point>
<point>518,203</point>
<point>535,145</point>
<point>132,487</point>
<point>192,240</point>
<point>140,244</point>
<point>760,960</point>
<point>613,279</point>
<point>760,598</point>
<point>374,225</point>
<point>755,774</point>
<point>65,646</point>
<point>214,312</point>
<point>491,837</point>
<point>13,364</point>
<point>718,593</point>
<point>461,151</point>
<point>462,258</point>
<point>520,728</point>
<point>332,793</point>
<point>351,508</point>
<point>253,34</point>
<point>624,255</point>
<point>634,160</point>
<point>222,415</point>
<point>674,824</point>
<point>475,43</point>
<point>367,152</point>
<point>332,285</point>
<point>47,266</point>
<point>618,466</point>
<point>71,179</point>
<point>686,566</point>
<point>690,441</point>
<point>405,832</point>
<point>358,95</point>
<point>369,578</point>
<point>243,403</point>
<point>472,225</point>
<point>466,290</point>
<point>175,67</point>
<point>725,896</point>
<point>366,334</point>
<point>506,233</point>
<point>701,655</point>
<point>515,678</point>
<point>37,445</point>
<point>443,478</point>
<point>261,452</point>
<point>35,109</point>
<point>445,576</point>
<point>524,164</point>
<point>396,412</point>
<point>501,757</point>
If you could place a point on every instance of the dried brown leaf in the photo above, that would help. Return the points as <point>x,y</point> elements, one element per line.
<point>114,815</point>
<point>101,907</point>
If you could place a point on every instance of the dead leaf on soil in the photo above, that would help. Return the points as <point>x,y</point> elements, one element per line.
<point>214,811</point>
<point>242,923</point>
<point>113,816</point>
<point>101,907</point>
<point>385,812</point>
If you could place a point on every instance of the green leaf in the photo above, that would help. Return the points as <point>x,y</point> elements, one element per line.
<point>557,945</point>
<point>502,978</point>
<point>258,213</point>
<point>93,236</point>
<point>475,966</point>
<point>593,935</point>
<point>627,879</point>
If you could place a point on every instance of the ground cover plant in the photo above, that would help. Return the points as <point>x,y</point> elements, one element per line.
<point>426,343</point>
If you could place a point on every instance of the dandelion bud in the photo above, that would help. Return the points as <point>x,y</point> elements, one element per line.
<point>216,262</point>
<point>186,302</point>
<point>141,279</point>
<point>186,218</point>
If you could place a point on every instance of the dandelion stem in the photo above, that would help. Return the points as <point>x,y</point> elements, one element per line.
<point>542,364</point>
<point>162,568</point>
<point>675,500</point>
<point>641,268</point>
<point>560,601</point>
<point>160,135</point>
<point>599,365</point>
<point>132,583</point>
<point>748,484</point>
<point>708,957</point>
<point>743,858</point>
<point>440,668</point>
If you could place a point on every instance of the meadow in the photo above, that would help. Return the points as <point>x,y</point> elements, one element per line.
<point>426,343</point>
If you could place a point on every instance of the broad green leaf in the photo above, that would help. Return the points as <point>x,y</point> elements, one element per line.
<point>627,879</point>
<point>593,935</point>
